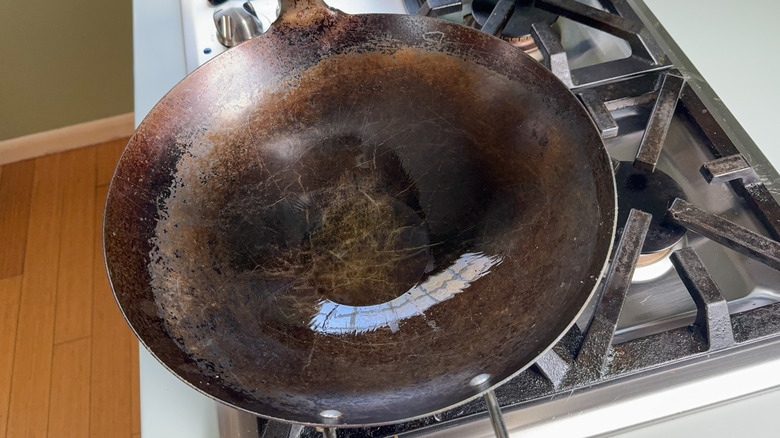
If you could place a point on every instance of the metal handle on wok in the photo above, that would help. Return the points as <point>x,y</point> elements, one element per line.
<point>302,11</point>
<point>481,382</point>
<point>494,411</point>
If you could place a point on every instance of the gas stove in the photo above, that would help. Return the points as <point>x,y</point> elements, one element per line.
<point>700,310</point>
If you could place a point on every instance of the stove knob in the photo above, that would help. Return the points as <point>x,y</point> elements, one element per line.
<point>249,8</point>
<point>236,25</point>
<point>217,2</point>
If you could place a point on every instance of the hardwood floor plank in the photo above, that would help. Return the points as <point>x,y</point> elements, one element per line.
<point>74,285</point>
<point>15,196</point>
<point>30,383</point>
<point>107,156</point>
<point>10,288</point>
<point>136,385</point>
<point>110,401</point>
<point>69,409</point>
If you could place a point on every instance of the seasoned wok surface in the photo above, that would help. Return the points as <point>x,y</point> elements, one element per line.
<point>364,223</point>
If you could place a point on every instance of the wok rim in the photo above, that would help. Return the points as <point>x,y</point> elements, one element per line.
<point>609,213</point>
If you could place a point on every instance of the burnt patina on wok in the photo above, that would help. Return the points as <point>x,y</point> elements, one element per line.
<point>359,213</point>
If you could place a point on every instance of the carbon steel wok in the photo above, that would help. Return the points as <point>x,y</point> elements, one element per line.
<point>358,213</point>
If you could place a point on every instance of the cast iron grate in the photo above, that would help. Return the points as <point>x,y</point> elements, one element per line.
<point>617,18</point>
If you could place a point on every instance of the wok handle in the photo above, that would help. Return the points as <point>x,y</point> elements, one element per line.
<point>293,11</point>
<point>494,411</point>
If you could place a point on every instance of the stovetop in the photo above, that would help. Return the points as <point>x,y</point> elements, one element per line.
<point>716,313</point>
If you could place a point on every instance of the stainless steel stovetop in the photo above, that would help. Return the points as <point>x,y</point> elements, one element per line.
<point>670,330</point>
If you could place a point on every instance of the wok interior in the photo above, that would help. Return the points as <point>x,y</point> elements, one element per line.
<point>367,237</point>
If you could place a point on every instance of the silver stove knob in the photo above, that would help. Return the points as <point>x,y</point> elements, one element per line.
<point>237,24</point>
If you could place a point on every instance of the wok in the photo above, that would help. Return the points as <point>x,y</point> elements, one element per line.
<point>358,213</point>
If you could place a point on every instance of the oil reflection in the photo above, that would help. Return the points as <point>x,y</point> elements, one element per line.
<point>334,318</point>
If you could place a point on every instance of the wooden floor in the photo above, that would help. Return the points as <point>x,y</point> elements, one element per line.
<point>68,361</point>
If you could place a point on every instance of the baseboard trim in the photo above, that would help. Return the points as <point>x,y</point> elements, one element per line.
<point>69,137</point>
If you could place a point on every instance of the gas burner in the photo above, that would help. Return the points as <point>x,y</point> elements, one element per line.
<point>651,267</point>
<point>519,23</point>
<point>652,192</point>
<point>527,44</point>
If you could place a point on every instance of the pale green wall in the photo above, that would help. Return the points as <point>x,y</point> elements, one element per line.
<point>63,62</point>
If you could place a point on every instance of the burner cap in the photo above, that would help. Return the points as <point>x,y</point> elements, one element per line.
<point>652,192</point>
<point>519,23</point>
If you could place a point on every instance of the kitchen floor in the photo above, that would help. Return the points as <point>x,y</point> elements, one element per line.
<point>68,361</point>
